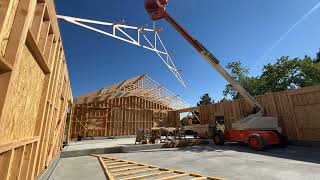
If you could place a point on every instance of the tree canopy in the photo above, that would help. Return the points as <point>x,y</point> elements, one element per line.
<point>205,99</point>
<point>285,74</point>
<point>318,56</point>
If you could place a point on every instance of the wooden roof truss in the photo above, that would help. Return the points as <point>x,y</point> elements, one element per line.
<point>140,36</point>
<point>148,89</point>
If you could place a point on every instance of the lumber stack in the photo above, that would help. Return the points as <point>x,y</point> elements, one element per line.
<point>35,90</point>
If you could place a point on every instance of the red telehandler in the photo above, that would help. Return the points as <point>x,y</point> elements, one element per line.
<point>256,129</point>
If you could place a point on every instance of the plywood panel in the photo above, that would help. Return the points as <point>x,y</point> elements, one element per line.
<point>115,117</point>
<point>21,88</point>
<point>23,105</point>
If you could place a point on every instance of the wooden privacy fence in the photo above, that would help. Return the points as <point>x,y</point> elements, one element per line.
<point>34,88</point>
<point>298,112</point>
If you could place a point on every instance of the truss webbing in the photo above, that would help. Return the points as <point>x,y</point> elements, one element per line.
<point>141,38</point>
<point>159,93</point>
<point>128,170</point>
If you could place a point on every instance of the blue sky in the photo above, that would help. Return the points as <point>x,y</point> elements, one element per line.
<point>231,29</point>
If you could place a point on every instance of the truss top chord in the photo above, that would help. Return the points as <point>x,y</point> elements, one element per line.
<point>142,86</point>
<point>140,38</point>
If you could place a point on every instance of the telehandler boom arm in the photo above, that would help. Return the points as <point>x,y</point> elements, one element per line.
<point>156,10</point>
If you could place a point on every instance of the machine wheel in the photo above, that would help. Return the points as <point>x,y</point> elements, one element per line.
<point>256,142</point>
<point>195,135</point>
<point>282,138</point>
<point>218,139</point>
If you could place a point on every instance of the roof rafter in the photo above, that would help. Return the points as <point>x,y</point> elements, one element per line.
<point>143,87</point>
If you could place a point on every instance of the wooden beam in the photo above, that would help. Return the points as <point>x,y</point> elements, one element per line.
<point>147,175</point>
<point>17,162</point>
<point>44,36</point>
<point>120,166</point>
<point>106,171</point>
<point>116,163</point>
<point>37,20</point>
<point>5,164</point>
<point>25,167</point>
<point>174,177</point>
<point>141,170</point>
<point>17,143</point>
<point>5,66</point>
<point>127,169</point>
<point>37,53</point>
<point>19,30</point>
<point>134,172</point>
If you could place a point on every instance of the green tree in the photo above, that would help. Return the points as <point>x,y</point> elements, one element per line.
<point>318,57</point>
<point>237,71</point>
<point>223,100</point>
<point>279,76</point>
<point>308,73</point>
<point>205,99</point>
<point>285,74</point>
<point>289,73</point>
<point>240,74</point>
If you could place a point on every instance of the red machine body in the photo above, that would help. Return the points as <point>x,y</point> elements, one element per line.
<point>156,11</point>
<point>256,139</point>
<point>155,8</point>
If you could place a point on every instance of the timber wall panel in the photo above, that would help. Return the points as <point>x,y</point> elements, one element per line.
<point>117,117</point>
<point>23,106</point>
<point>8,10</point>
<point>34,88</point>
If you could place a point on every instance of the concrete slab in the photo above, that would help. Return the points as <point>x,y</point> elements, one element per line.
<point>122,145</point>
<point>78,168</point>
<point>49,170</point>
<point>232,161</point>
<point>236,161</point>
<point>98,143</point>
<point>116,149</point>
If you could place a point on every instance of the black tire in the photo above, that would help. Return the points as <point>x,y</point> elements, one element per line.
<point>256,142</point>
<point>195,135</point>
<point>218,139</point>
<point>283,139</point>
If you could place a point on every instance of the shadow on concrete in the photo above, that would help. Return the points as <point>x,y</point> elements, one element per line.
<point>307,154</point>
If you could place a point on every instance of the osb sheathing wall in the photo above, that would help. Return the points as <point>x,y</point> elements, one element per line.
<point>117,117</point>
<point>298,112</point>
<point>34,88</point>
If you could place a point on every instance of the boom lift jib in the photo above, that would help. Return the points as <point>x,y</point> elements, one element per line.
<point>257,123</point>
